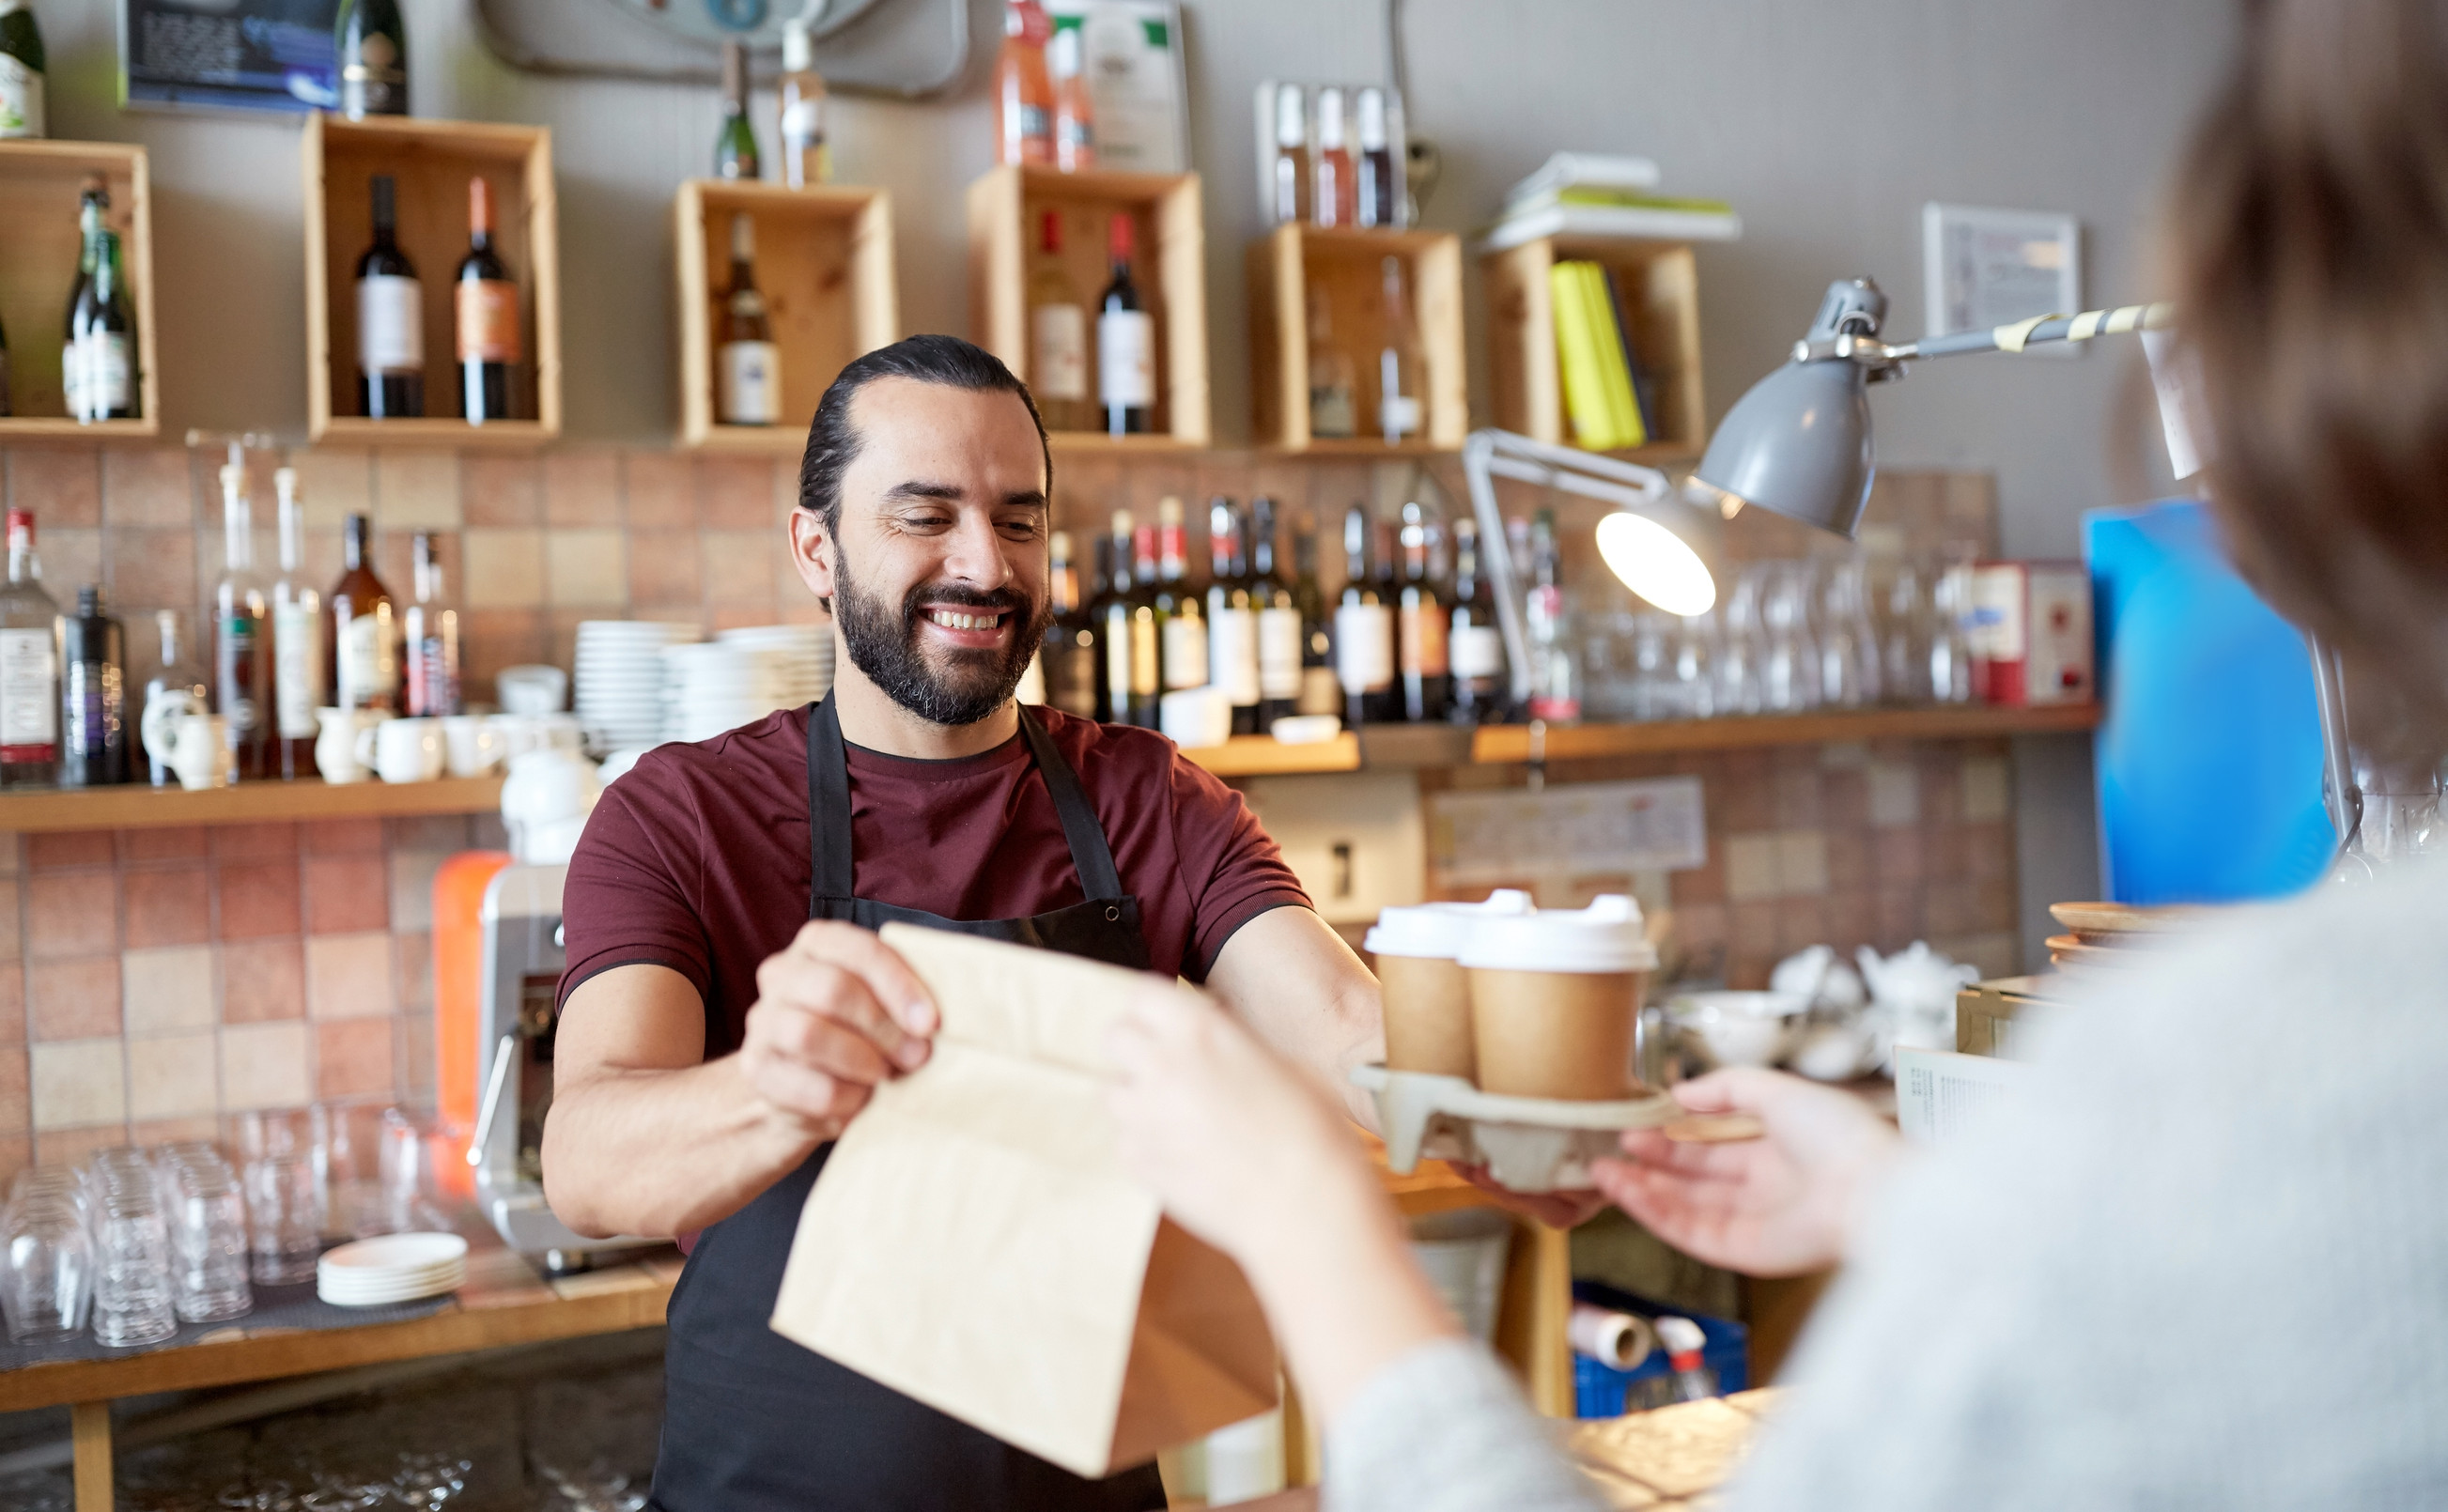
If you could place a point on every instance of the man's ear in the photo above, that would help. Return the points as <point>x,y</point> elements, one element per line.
<point>812,553</point>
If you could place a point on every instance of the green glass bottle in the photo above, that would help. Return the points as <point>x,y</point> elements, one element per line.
<point>21,70</point>
<point>735,145</point>
<point>99,352</point>
<point>371,46</point>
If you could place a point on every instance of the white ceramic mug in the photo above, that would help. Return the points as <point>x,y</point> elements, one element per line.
<point>472,745</point>
<point>199,752</point>
<point>157,729</point>
<point>532,688</point>
<point>522,733</point>
<point>336,749</point>
<point>403,749</point>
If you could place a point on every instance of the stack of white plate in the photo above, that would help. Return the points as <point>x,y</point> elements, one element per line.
<point>620,677</point>
<point>806,652</point>
<point>712,688</point>
<point>394,1268</point>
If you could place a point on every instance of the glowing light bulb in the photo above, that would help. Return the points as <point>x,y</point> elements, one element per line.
<point>1656,563</point>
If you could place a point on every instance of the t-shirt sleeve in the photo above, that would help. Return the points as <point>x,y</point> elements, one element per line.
<point>629,896</point>
<point>1230,865</point>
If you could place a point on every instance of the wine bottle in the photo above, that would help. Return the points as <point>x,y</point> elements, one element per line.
<point>1075,114</point>
<point>1321,692</point>
<point>1555,687</point>
<point>1422,624</point>
<point>365,630</point>
<point>371,45</point>
<point>1398,363</point>
<point>1335,200</point>
<point>735,141</point>
<point>1364,631</point>
<point>1381,193</point>
<point>748,366</point>
<point>242,642</point>
<point>100,356</point>
<point>489,315</point>
<point>391,318</point>
<point>1475,649</point>
<point>1068,651</point>
<point>296,641</point>
<point>1333,377</point>
<point>1023,90</point>
<point>1181,619</point>
<point>1291,164</point>
<point>30,669</point>
<point>1111,611</point>
<point>1125,343</point>
<point>806,153</point>
<point>20,71</point>
<point>1057,329</point>
<point>1232,617</point>
<point>93,695</point>
<point>431,653</point>
<point>1277,612</point>
<point>1146,632</point>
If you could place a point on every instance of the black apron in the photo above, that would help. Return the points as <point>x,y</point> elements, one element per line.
<point>755,1422</point>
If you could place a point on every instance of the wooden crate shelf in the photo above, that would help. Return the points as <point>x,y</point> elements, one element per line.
<point>1346,267</point>
<point>1004,208</point>
<point>1511,744</point>
<point>1257,756</point>
<point>40,182</point>
<point>823,264</point>
<point>134,806</point>
<point>431,162</point>
<point>1659,282</point>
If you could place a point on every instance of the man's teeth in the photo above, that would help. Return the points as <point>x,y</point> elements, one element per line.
<point>955,619</point>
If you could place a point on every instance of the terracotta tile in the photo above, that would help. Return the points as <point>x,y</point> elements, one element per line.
<point>1701,884</point>
<point>1942,792</point>
<point>167,991</point>
<point>253,842</point>
<point>80,847</point>
<point>587,569</point>
<point>691,612</point>
<point>427,832</point>
<point>1948,910</point>
<point>11,939</point>
<point>1987,789</point>
<point>73,913</point>
<point>73,1000</point>
<point>172,1078</point>
<point>16,1153</point>
<point>1744,801</point>
<point>1701,925</point>
<point>412,888</point>
<point>168,906</point>
<point>150,568</point>
<point>70,560</point>
<point>655,490</point>
<point>1801,923</point>
<point>343,836</point>
<point>734,493</point>
<point>412,959</point>
<point>1989,851</point>
<point>1898,917</point>
<point>12,855</point>
<point>346,893</point>
<point>663,568</point>
<point>581,487</point>
<point>333,483</point>
<point>187,842</point>
<point>258,899</point>
<point>416,491</point>
<point>172,1131</point>
<point>1844,799</point>
<point>262,980</point>
<point>1946,853</point>
<point>1894,794</point>
<point>1992,904</point>
<point>74,1146</point>
<point>1749,972</point>
<point>725,616</point>
<point>505,569</point>
<point>266,1066</point>
<point>1850,920</point>
<point>79,1082</point>
<point>146,486</point>
<point>16,1094</point>
<point>416,1055</point>
<point>1755,927</point>
<point>799,606</point>
<point>738,566</point>
<point>353,1058</point>
<point>502,638</point>
<point>1751,868</point>
<point>785,490</point>
<point>349,976</point>
<point>1896,857</point>
<point>500,491</point>
<point>12,1006</point>
<point>62,485</point>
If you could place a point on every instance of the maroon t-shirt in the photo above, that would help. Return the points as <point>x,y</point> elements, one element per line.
<point>697,858</point>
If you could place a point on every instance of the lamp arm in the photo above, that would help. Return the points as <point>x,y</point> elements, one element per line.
<point>2344,797</point>
<point>2020,336</point>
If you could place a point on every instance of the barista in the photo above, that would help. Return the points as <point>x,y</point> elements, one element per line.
<point>727,1006</point>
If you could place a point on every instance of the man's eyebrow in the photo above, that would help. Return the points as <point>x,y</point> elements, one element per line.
<point>1026,498</point>
<point>921,488</point>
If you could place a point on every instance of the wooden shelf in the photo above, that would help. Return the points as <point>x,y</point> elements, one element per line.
<point>1096,443</point>
<point>144,808</point>
<point>40,186</point>
<point>1660,287</point>
<point>1260,755</point>
<point>431,162</point>
<point>1504,744</point>
<point>823,264</point>
<point>1345,267</point>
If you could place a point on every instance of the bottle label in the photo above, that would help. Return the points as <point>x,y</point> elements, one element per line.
<point>1279,654</point>
<point>1398,415</point>
<point>1036,124</point>
<point>1232,655</point>
<point>104,378</point>
<point>21,106</point>
<point>1071,680</point>
<point>29,696</point>
<point>374,82</point>
<point>488,321</point>
<point>750,383</point>
<point>803,124</point>
<point>1126,357</point>
<point>1477,650</point>
<point>1146,654</point>
<point>368,667</point>
<point>240,637</point>
<point>1059,352</point>
<point>1118,663</point>
<point>391,324</point>
<point>1330,411</point>
<point>1423,637</point>
<point>296,668</point>
<point>1320,693</point>
<point>1185,652</point>
<point>1364,647</point>
<point>432,662</point>
<point>96,705</point>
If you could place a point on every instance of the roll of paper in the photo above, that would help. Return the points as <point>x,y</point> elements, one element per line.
<point>1616,1339</point>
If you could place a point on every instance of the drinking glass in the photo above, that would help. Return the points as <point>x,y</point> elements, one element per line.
<point>354,1189</point>
<point>208,1244</point>
<point>1789,660</point>
<point>1849,657</point>
<point>1904,642</point>
<point>131,1288</point>
<point>1742,642</point>
<point>1694,690</point>
<point>49,1275</point>
<point>284,1214</point>
<point>407,1175</point>
<point>1950,636</point>
<point>292,1132</point>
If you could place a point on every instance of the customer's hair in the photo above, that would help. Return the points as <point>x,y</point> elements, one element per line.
<point>832,441</point>
<point>2307,244</point>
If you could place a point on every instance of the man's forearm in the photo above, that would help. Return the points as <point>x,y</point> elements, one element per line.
<point>664,1152</point>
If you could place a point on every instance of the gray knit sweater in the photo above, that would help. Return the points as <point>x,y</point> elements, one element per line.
<point>2200,1260</point>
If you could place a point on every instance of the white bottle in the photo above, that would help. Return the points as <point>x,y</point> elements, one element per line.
<point>296,624</point>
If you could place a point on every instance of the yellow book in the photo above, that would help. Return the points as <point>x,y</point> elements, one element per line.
<point>1615,360</point>
<point>1585,396</point>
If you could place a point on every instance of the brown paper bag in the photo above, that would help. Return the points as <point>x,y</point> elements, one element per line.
<point>975,1243</point>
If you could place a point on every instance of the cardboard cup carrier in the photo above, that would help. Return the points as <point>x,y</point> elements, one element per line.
<point>1426,997</point>
<point>1554,996</point>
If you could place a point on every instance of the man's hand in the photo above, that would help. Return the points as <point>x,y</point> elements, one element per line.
<point>1557,1210</point>
<point>836,1012</point>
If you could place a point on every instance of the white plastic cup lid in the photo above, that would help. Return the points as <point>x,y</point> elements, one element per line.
<point>1434,931</point>
<point>1606,936</point>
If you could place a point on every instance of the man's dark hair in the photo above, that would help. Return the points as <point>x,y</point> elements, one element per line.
<point>832,441</point>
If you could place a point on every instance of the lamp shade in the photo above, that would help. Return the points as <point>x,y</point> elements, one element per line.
<point>1798,444</point>
<point>1659,564</point>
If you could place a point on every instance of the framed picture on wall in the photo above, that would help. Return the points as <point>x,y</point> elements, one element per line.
<point>230,54</point>
<point>1985,268</point>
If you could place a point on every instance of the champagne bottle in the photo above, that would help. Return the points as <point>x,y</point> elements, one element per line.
<point>371,43</point>
<point>100,356</point>
<point>20,71</point>
<point>489,315</point>
<point>734,143</point>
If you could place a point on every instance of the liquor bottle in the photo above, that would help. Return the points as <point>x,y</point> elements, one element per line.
<point>1321,692</point>
<point>1380,198</point>
<point>1291,185</point>
<point>371,46</point>
<point>178,674</point>
<point>1111,612</point>
<point>735,140</point>
<point>365,630</point>
<point>1335,200</point>
<point>100,360</point>
<point>1125,343</point>
<point>1057,332</point>
<point>391,319</point>
<point>93,695</point>
<point>1024,91</point>
<point>1475,649</point>
<point>1363,632</point>
<point>296,642</point>
<point>1421,622</point>
<point>1554,690</point>
<point>1398,363</point>
<point>242,637</point>
<point>807,152</point>
<point>1278,616</point>
<point>489,315</point>
<point>430,655</point>
<point>1232,617</point>
<point>1068,651</point>
<point>747,364</point>
<point>1075,114</point>
<point>1333,377</point>
<point>1181,620</point>
<point>21,70</point>
<point>1146,632</point>
<point>29,676</point>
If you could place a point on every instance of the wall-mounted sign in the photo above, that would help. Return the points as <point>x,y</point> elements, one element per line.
<point>241,54</point>
<point>1985,268</point>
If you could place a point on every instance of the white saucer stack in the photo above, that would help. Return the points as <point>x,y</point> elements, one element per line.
<point>806,652</point>
<point>620,677</point>
<point>712,688</point>
<point>393,1268</point>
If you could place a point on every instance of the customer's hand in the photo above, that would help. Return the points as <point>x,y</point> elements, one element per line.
<point>836,1012</point>
<point>1779,1205</point>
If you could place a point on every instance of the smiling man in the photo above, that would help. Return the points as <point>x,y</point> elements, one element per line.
<point>727,1007</point>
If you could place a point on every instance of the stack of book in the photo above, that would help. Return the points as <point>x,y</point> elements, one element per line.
<point>1591,194</point>
<point>1606,394</point>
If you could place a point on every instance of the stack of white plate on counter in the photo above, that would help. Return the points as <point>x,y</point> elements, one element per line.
<point>393,1268</point>
<point>806,652</point>
<point>742,676</point>
<point>620,677</point>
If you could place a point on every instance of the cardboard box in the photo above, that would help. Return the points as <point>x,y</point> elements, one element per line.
<point>2031,634</point>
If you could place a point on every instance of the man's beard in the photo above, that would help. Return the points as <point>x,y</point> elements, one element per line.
<point>962,686</point>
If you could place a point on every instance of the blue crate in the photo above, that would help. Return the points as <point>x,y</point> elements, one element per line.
<point>1600,1390</point>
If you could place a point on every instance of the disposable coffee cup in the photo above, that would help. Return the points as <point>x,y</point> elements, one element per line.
<point>1426,997</point>
<point>1554,996</point>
